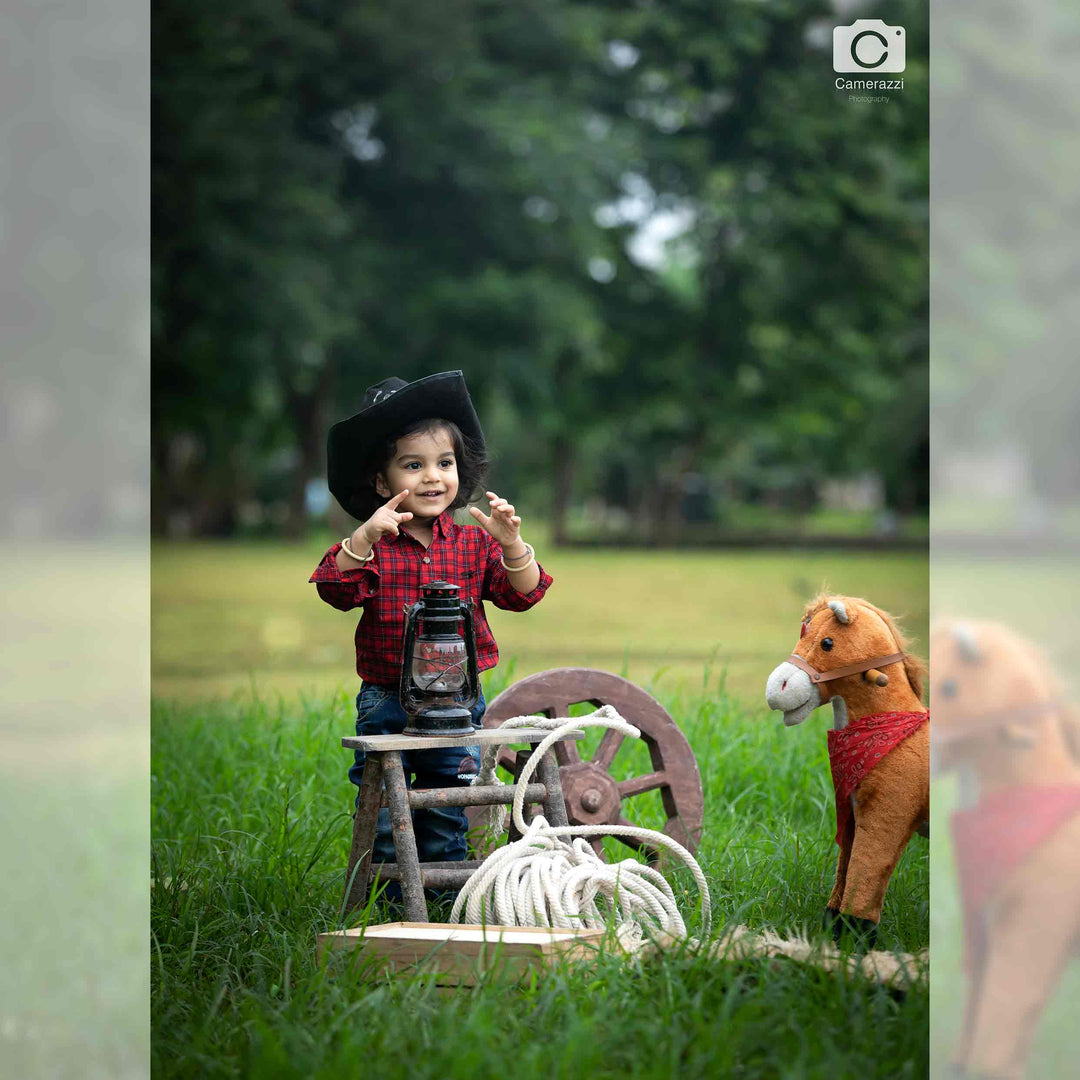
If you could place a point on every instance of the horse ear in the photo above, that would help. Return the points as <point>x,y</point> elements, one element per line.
<point>966,643</point>
<point>838,609</point>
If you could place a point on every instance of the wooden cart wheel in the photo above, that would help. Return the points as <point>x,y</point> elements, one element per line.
<point>593,796</point>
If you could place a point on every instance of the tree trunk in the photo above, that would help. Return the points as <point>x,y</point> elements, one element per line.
<point>562,471</point>
<point>308,414</point>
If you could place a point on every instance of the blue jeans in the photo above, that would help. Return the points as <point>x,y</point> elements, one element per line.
<point>440,834</point>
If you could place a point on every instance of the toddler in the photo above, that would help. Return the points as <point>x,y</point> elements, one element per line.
<point>413,454</point>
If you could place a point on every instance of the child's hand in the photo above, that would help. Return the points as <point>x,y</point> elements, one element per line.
<point>384,522</point>
<point>503,524</point>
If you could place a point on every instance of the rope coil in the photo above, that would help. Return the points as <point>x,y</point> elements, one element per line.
<point>552,877</point>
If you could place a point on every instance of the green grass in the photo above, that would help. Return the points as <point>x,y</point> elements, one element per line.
<point>230,617</point>
<point>250,833</point>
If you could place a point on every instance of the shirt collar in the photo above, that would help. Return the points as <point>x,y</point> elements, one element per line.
<point>444,526</point>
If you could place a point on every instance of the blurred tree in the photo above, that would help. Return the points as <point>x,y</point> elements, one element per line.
<point>343,192</point>
<point>800,304</point>
<point>346,192</point>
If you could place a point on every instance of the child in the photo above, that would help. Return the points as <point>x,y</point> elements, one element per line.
<point>412,455</point>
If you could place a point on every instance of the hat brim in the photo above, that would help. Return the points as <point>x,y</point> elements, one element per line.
<point>352,443</point>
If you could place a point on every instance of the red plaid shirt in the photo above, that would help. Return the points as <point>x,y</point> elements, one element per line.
<point>464,555</point>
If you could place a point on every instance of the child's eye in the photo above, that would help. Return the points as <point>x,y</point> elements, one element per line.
<point>446,462</point>
<point>413,465</point>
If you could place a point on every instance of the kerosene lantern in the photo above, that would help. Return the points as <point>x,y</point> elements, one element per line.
<point>439,680</point>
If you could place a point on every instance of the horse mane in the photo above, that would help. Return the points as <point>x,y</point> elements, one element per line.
<point>1067,713</point>
<point>914,666</point>
<point>1070,729</point>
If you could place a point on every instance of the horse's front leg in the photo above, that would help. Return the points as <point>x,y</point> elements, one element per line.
<point>875,851</point>
<point>889,804</point>
<point>975,955</point>
<point>883,826</point>
<point>836,898</point>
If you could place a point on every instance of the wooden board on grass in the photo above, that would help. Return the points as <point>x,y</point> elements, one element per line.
<point>460,953</point>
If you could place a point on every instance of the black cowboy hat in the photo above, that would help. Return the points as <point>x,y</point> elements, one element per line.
<point>389,407</point>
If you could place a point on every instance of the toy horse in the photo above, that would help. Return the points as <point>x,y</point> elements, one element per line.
<point>851,653</point>
<point>1003,726</point>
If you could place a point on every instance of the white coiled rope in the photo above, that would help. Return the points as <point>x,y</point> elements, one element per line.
<point>552,876</point>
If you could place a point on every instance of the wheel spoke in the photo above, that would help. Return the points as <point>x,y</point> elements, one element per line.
<point>608,748</point>
<point>642,846</point>
<point>566,753</point>
<point>637,784</point>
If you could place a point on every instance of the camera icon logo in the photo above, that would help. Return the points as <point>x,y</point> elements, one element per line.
<point>869,45</point>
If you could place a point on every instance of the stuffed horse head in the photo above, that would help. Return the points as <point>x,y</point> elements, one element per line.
<point>1000,713</point>
<point>852,653</point>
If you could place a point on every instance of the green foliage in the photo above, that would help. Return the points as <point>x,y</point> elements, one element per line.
<point>250,827</point>
<point>346,191</point>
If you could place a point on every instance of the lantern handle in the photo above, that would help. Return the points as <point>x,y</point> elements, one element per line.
<point>405,683</point>
<point>472,675</point>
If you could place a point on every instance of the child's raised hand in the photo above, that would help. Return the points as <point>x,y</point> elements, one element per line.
<point>503,524</point>
<point>384,522</point>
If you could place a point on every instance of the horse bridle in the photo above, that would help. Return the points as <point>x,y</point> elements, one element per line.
<point>971,728</point>
<point>818,677</point>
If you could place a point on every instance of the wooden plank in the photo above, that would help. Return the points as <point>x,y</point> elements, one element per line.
<point>460,954</point>
<point>542,936</point>
<point>480,737</point>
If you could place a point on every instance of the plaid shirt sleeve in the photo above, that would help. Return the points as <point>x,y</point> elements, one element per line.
<point>345,589</point>
<point>497,586</point>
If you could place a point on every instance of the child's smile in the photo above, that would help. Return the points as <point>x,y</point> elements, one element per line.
<point>425,464</point>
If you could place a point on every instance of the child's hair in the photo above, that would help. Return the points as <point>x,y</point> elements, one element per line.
<point>471,457</point>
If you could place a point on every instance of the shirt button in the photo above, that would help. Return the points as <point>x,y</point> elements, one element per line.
<point>426,559</point>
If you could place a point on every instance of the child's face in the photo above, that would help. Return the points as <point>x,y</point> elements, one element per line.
<point>425,464</point>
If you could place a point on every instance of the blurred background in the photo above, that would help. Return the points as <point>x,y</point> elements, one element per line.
<point>686,279</point>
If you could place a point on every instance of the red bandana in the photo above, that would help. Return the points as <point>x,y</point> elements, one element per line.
<point>993,837</point>
<point>856,749</point>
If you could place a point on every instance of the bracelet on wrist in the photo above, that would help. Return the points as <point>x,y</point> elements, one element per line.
<point>347,548</point>
<point>517,558</point>
<point>525,565</point>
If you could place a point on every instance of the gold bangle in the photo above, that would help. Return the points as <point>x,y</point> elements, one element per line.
<point>347,548</point>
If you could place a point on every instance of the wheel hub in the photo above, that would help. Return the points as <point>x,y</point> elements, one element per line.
<point>592,797</point>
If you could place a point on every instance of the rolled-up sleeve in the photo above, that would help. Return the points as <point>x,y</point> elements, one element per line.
<point>345,589</point>
<point>499,590</point>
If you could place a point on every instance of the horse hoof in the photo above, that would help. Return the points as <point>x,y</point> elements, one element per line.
<point>861,932</point>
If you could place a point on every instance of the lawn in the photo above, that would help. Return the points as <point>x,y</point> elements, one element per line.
<point>250,825</point>
<point>250,834</point>
<point>253,688</point>
<point>228,618</point>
